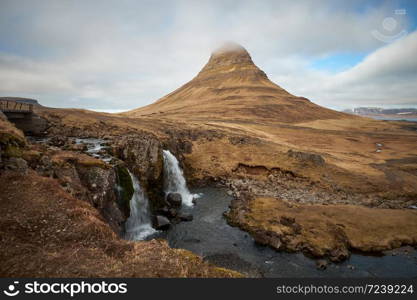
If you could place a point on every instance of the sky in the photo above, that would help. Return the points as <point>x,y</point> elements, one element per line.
<point>118,55</point>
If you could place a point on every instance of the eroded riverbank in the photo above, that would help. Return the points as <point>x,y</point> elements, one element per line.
<point>209,236</point>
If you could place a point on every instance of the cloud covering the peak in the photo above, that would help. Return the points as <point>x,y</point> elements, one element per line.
<point>125,54</point>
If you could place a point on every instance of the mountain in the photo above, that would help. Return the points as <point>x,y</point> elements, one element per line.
<point>365,111</point>
<point>231,86</point>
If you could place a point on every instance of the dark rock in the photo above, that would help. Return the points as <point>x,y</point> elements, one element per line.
<point>287,221</point>
<point>167,212</point>
<point>125,189</point>
<point>267,238</point>
<point>172,213</point>
<point>339,254</point>
<point>163,211</point>
<point>16,164</point>
<point>142,153</point>
<point>316,159</point>
<point>290,222</point>
<point>296,228</point>
<point>174,200</point>
<point>161,223</point>
<point>185,217</point>
<point>99,185</point>
<point>243,140</point>
<point>321,264</point>
<point>58,141</point>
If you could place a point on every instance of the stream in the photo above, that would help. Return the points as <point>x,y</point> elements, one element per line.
<point>209,236</point>
<point>95,148</point>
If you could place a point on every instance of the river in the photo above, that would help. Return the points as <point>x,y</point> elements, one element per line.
<point>209,236</point>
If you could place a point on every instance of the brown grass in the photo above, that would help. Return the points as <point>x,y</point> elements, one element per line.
<point>326,228</point>
<point>47,233</point>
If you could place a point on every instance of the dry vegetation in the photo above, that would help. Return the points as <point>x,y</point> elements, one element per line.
<point>326,230</point>
<point>47,233</point>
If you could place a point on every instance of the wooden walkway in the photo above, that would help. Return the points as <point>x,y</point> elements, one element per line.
<point>10,106</point>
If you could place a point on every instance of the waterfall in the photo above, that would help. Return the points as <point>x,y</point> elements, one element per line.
<point>174,181</point>
<point>138,225</point>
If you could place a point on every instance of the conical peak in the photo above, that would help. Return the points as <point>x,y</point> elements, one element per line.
<point>230,52</point>
<point>234,62</point>
<point>230,48</point>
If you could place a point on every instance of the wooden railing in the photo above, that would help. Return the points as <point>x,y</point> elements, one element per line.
<point>16,107</point>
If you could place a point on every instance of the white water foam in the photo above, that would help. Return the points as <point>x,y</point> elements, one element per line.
<point>174,181</point>
<point>138,225</point>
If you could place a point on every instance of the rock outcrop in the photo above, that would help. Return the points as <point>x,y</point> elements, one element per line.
<point>83,177</point>
<point>12,143</point>
<point>46,232</point>
<point>142,154</point>
<point>322,230</point>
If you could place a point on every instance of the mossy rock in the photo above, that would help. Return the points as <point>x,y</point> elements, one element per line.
<point>125,191</point>
<point>12,150</point>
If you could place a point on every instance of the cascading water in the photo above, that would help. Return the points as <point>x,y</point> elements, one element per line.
<point>138,225</point>
<point>174,181</point>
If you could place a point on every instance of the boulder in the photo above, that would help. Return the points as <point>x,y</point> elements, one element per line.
<point>16,164</point>
<point>174,200</point>
<point>58,141</point>
<point>313,158</point>
<point>165,211</point>
<point>185,217</point>
<point>3,116</point>
<point>267,238</point>
<point>143,153</point>
<point>172,213</point>
<point>339,254</point>
<point>161,223</point>
<point>321,264</point>
<point>287,221</point>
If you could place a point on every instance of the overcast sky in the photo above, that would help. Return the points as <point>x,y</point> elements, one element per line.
<point>119,55</point>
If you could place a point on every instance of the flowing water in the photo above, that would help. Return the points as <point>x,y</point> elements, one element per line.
<point>209,236</point>
<point>138,225</point>
<point>95,148</point>
<point>174,181</point>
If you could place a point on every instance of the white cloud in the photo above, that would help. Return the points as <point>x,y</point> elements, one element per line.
<point>125,54</point>
<point>386,77</point>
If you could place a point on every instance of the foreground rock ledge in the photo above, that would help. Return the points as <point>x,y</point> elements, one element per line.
<point>45,232</point>
<point>324,230</point>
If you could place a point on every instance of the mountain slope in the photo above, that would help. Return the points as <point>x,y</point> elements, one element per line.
<point>231,86</point>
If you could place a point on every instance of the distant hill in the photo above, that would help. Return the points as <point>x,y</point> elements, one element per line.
<point>366,111</point>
